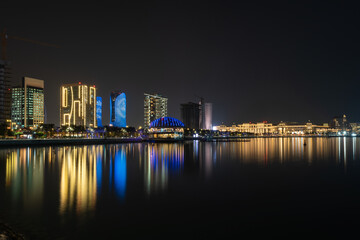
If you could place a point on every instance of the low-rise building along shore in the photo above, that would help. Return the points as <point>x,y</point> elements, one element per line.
<point>282,128</point>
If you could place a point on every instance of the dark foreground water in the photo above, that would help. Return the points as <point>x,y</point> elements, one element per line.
<point>266,188</point>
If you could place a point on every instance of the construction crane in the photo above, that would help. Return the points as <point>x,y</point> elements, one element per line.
<point>5,37</point>
<point>5,90</point>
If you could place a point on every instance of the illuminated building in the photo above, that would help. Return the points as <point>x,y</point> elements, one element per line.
<point>99,111</point>
<point>118,109</point>
<point>197,115</point>
<point>206,116</point>
<point>27,108</point>
<point>17,106</point>
<point>166,127</point>
<point>155,106</point>
<point>190,115</point>
<point>265,128</point>
<point>78,105</point>
<point>340,123</point>
<point>261,128</point>
<point>5,92</point>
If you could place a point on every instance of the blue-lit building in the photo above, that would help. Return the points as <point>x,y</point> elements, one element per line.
<point>118,109</point>
<point>166,128</point>
<point>99,111</point>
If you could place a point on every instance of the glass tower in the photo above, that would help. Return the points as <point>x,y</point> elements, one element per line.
<point>99,111</point>
<point>27,108</point>
<point>118,109</point>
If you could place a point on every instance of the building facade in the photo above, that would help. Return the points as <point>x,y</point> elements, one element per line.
<point>99,111</point>
<point>155,106</point>
<point>78,105</point>
<point>265,128</point>
<point>5,92</point>
<point>118,109</point>
<point>17,107</point>
<point>197,115</point>
<point>166,128</point>
<point>207,113</point>
<point>190,115</point>
<point>27,108</point>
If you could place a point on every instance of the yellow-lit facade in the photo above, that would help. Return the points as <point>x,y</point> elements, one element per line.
<point>78,105</point>
<point>264,128</point>
<point>173,133</point>
<point>155,106</point>
<point>27,108</point>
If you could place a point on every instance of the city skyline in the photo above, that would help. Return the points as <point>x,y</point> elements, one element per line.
<point>245,59</point>
<point>177,119</point>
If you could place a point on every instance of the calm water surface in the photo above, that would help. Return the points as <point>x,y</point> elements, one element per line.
<point>268,187</point>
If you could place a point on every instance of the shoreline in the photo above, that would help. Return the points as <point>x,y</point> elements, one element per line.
<point>65,141</point>
<point>97,141</point>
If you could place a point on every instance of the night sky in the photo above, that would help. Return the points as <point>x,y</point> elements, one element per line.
<point>258,61</point>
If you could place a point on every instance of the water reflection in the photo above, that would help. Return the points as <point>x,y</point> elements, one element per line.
<point>268,151</point>
<point>76,178</point>
<point>162,160</point>
<point>117,176</point>
<point>25,176</point>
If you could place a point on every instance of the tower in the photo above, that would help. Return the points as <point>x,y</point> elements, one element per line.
<point>99,111</point>
<point>78,105</point>
<point>118,109</point>
<point>5,92</point>
<point>27,108</point>
<point>190,115</point>
<point>205,115</point>
<point>155,106</point>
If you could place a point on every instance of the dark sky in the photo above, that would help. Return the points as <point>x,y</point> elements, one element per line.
<point>290,61</point>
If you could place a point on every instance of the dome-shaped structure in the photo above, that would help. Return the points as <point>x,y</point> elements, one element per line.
<point>166,122</point>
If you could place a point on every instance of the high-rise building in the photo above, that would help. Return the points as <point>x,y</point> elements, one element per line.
<point>27,108</point>
<point>190,115</point>
<point>5,92</point>
<point>155,106</point>
<point>340,123</point>
<point>78,105</point>
<point>99,111</point>
<point>205,115</point>
<point>18,106</point>
<point>197,115</point>
<point>207,108</point>
<point>118,109</point>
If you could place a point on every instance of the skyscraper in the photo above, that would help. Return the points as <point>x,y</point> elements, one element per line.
<point>206,110</point>
<point>118,109</point>
<point>78,105</point>
<point>197,115</point>
<point>190,115</point>
<point>27,108</point>
<point>99,111</point>
<point>5,92</point>
<point>205,115</point>
<point>155,106</point>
